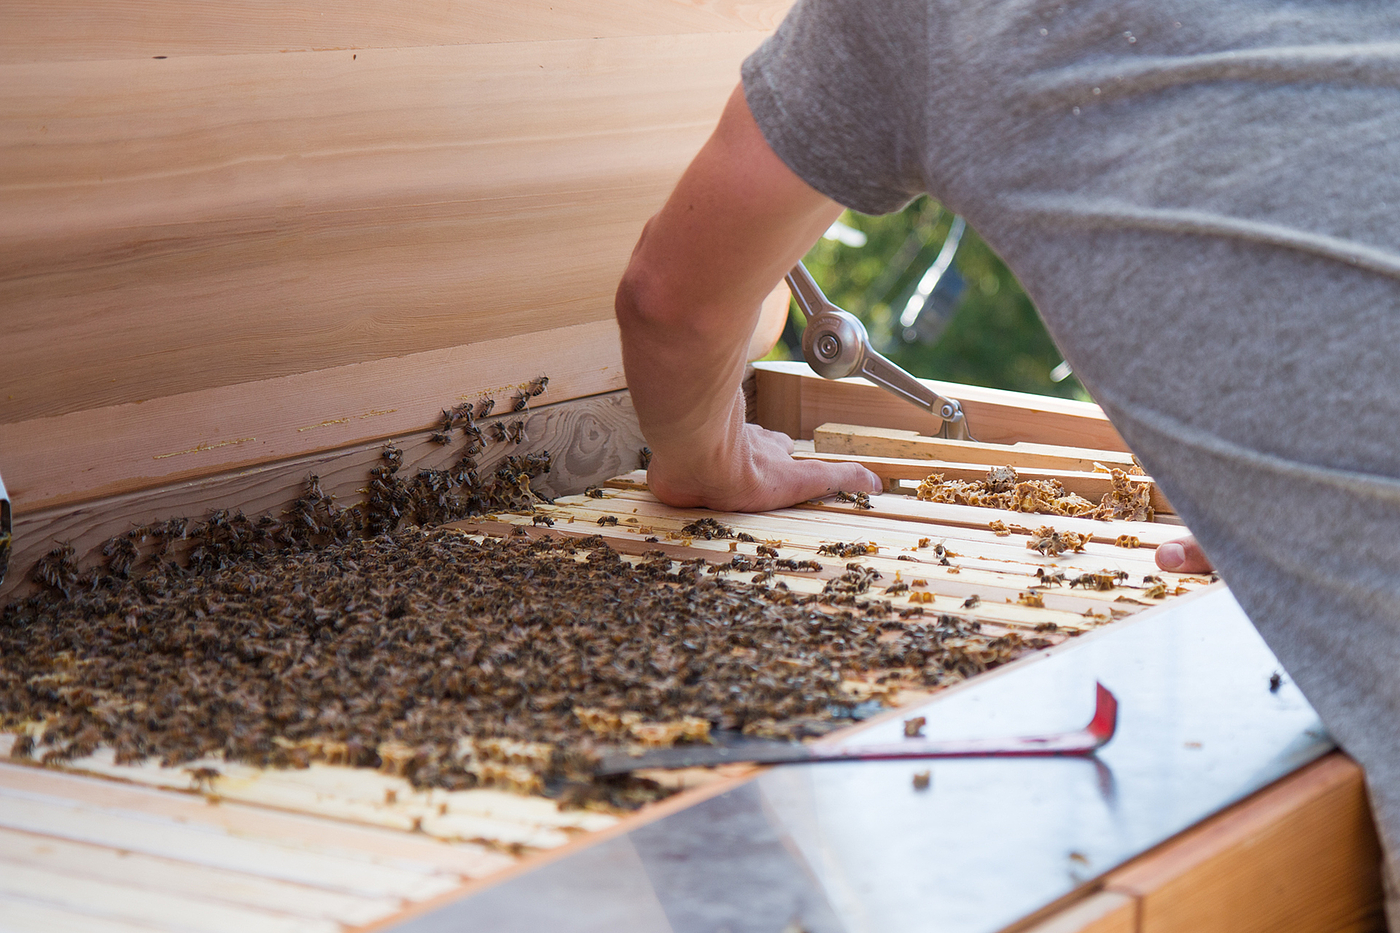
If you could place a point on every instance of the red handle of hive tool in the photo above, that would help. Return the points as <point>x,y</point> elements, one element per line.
<point>1082,742</point>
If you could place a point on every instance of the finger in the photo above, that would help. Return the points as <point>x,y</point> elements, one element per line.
<point>1183,555</point>
<point>814,479</point>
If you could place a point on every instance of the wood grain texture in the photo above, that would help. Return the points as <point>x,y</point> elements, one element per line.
<point>993,415</point>
<point>1301,855</point>
<point>1104,912</point>
<point>359,860</point>
<point>67,30</point>
<point>943,516</point>
<point>143,872</point>
<point>49,462</point>
<point>911,445</point>
<point>592,439</point>
<point>1092,486</point>
<point>168,226</point>
<point>62,890</point>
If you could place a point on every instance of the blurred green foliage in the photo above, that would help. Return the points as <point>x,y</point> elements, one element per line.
<point>991,335</point>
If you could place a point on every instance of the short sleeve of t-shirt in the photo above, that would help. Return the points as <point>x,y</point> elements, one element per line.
<point>837,113</point>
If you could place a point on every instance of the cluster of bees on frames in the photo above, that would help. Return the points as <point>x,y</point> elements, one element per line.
<point>367,637</point>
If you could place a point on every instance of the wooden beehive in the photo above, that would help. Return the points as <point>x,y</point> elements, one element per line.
<point>241,243</point>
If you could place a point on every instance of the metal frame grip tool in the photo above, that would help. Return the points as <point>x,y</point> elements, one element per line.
<point>1080,742</point>
<point>837,345</point>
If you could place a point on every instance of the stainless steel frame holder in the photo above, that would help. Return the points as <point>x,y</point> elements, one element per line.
<point>837,345</point>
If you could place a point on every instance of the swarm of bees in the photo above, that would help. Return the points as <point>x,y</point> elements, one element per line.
<point>388,651</point>
<point>366,636</point>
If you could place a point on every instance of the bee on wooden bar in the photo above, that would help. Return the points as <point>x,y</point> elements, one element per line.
<point>485,408</point>
<point>538,385</point>
<point>498,432</point>
<point>393,457</point>
<point>972,601</point>
<point>520,402</point>
<point>608,520</point>
<point>541,519</point>
<point>594,492</point>
<point>440,437</point>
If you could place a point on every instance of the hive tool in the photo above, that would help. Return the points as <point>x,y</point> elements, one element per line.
<point>837,345</point>
<point>1080,742</point>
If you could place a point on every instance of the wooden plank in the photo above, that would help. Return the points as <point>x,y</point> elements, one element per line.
<point>593,438</point>
<point>1104,912</point>
<point>204,844</point>
<point>337,842</point>
<point>1150,534</point>
<point>65,890</point>
<point>778,401</point>
<point>854,439</point>
<point>369,797</point>
<point>906,508</point>
<point>22,915</point>
<point>798,529</point>
<point>1092,486</point>
<point>993,415</point>
<point>66,30</point>
<point>51,462</point>
<point>1301,855</point>
<point>997,603</point>
<point>135,871</point>
<point>236,218</point>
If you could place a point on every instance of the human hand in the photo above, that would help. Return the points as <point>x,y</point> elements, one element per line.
<point>1183,555</point>
<point>755,474</point>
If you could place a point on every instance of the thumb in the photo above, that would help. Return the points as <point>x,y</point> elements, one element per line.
<point>1183,555</point>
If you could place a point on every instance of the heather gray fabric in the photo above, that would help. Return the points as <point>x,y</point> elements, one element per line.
<point>1201,197</point>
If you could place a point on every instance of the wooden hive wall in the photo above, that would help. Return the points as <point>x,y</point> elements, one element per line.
<point>238,232</point>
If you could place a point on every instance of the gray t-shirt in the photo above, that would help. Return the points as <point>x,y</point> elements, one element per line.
<point>1201,198</point>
